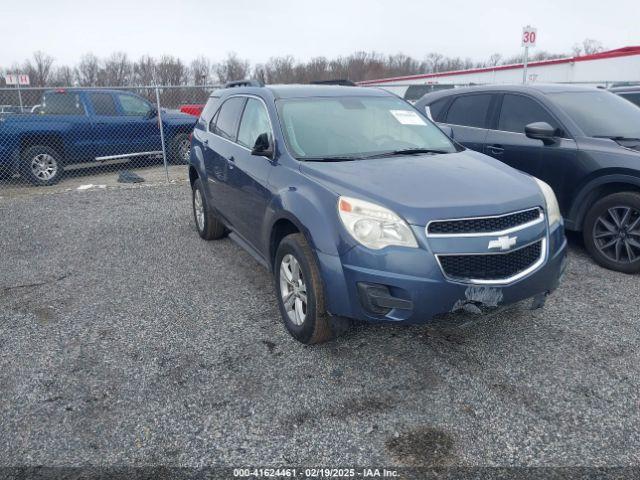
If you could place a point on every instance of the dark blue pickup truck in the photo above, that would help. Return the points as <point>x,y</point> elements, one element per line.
<point>88,126</point>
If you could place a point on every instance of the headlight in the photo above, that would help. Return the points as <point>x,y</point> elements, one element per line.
<point>553,210</point>
<point>374,226</point>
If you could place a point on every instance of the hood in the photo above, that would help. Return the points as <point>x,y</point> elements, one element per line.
<point>427,187</point>
<point>178,116</point>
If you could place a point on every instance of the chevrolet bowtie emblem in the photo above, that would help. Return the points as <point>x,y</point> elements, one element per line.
<point>503,243</point>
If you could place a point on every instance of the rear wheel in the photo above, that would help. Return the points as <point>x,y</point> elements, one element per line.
<point>180,149</point>
<point>612,232</point>
<point>41,165</point>
<point>300,291</point>
<point>208,226</point>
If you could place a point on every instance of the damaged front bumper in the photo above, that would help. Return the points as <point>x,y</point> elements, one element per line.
<point>408,286</point>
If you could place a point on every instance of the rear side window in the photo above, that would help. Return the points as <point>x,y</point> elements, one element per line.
<point>209,109</point>
<point>226,124</point>
<point>469,110</point>
<point>62,103</point>
<point>632,97</point>
<point>255,122</point>
<point>437,109</point>
<point>103,104</point>
<point>518,111</point>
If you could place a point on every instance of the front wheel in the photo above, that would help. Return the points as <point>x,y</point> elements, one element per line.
<point>612,232</point>
<point>300,291</point>
<point>41,165</point>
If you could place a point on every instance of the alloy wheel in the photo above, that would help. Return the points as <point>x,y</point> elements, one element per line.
<point>293,289</point>
<point>184,149</point>
<point>616,234</point>
<point>198,209</point>
<point>44,166</point>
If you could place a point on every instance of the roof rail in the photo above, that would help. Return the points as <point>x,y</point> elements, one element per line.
<point>343,82</point>
<point>244,83</point>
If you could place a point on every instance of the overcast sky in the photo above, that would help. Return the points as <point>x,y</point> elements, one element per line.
<point>257,30</point>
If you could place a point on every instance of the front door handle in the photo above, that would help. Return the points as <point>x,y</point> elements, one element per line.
<point>495,149</point>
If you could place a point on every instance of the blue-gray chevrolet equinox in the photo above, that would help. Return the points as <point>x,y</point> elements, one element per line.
<point>364,209</point>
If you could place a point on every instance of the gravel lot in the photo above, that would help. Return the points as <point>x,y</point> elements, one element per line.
<point>125,339</point>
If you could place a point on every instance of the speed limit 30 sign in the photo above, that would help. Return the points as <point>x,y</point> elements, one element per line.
<point>529,36</point>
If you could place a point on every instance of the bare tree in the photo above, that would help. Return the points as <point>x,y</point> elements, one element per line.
<point>589,46</point>
<point>280,70</point>
<point>232,68</point>
<point>144,70</point>
<point>88,70</point>
<point>171,71</point>
<point>63,77</point>
<point>200,71</point>
<point>117,70</point>
<point>39,70</point>
<point>434,61</point>
<point>494,60</point>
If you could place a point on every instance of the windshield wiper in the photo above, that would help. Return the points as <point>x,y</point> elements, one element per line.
<point>618,138</point>
<point>330,159</point>
<point>409,151</point>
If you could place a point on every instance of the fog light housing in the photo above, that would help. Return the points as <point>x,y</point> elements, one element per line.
<point>377,299</point>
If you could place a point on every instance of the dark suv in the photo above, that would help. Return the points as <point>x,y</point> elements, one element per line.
<point>628,93</point>
<point>362,208</point>
<point>583,141</point>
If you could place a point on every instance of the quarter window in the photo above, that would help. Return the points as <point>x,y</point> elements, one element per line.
<point>62,103</point>
<point>519,111</point>
<point>437,109</point>
<point>255,122</point>
<point>469,110</point>
<point>228,117</point>
<point>209,109</point>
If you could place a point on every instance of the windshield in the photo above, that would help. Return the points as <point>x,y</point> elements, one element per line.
<point>318,128</point>
<point>600,114</point>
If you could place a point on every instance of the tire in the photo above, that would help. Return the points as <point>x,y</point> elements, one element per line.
<point>180,149</point>
<point>41,165</point>
<point>208,226</point>
<point>611,232</point>
<point>314,325</point>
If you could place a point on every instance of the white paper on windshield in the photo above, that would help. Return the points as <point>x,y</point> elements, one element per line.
<point>407,117</point>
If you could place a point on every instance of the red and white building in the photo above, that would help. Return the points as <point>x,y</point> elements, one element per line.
<point>604,68</point>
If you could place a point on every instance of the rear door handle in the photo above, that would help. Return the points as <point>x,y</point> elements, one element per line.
<point>495,149</point>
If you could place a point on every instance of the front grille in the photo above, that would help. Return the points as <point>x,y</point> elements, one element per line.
<point>484,224</point>
<point>497,266</point>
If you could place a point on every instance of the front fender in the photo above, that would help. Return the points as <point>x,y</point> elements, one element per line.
<point>585,197</point>
<point>314,212</point>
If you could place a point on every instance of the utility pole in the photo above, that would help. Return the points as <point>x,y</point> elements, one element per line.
<point>529,37</point>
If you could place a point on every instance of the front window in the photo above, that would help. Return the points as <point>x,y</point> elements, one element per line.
<point>600,114</point>
<point>134,106</point>
<point>255,122</point>
<point>319,128</point>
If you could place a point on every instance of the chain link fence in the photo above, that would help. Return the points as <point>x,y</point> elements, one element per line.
<point>47,134</point>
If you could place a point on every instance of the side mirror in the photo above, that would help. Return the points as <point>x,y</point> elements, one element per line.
<point>152,113</point>
<point>263,146</point>
<point>541,131</point>
<point>447,130</point>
